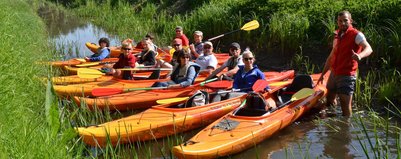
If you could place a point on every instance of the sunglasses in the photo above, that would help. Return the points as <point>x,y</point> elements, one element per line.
<point>248,59</point>
<point>176,44</point>
<point>126,48</point>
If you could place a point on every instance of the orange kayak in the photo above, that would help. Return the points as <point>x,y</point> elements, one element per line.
<point>159,121</point>
<point>146,99</point>
<point>75,61</point>
<point>244,127</point>
<point>85,89</point>
<point>75,79</point>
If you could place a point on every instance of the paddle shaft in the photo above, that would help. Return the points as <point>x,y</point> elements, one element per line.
<point>219,36</point>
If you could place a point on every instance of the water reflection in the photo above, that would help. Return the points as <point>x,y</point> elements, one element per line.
<point>69,33</point>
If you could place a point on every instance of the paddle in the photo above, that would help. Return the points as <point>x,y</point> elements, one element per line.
<point>258,86</point>
<point>97,92</point>
<point>254,24</point>
<point>303,93</point>
<point>94,73</point>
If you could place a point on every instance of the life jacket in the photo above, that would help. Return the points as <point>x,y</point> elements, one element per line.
<point>342,62</point>
<point>232,62</point>
<point>175,74</point>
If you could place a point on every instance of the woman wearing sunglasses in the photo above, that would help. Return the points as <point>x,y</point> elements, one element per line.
<point>125,60</point>
<point>184,73</point>
<point>245,77</point>
<point>248,73</point>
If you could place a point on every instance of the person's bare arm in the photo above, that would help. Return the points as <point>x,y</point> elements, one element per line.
<point>366,51</point>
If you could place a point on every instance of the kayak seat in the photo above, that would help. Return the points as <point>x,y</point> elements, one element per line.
<point>299,82</point>
<point>255,101</point>
<point>250,112</point>
<point>198,99</point>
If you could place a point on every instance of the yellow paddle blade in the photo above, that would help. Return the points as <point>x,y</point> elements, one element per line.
<point>275,84</point>
<point>303,93</point>
<point>172,51</point>
<point>171,100</point>
<point>88,64</point>
<point>89,73</point>
<point>254,24</point>
<point>80,60</point>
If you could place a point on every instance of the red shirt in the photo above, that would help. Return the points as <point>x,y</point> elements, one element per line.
<point>125,61</point>
<point>342,62</point>
<point>185,40</point>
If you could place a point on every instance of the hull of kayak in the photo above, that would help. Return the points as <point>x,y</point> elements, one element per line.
<point>75,62</point>
<point>158,121</point>
<point>235,133</point>
<point>75,79</point>
<point>146,99</point>
<point>85,89</point>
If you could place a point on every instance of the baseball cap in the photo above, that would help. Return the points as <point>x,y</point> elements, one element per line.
<point>235,45</point>
<point>208,43</point>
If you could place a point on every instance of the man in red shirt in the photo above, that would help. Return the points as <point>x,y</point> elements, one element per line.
<point>179,33</point>
<point>349,47</point>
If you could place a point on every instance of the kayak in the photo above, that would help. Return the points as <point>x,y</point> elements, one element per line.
<point>159,121</point>
<point>115,52</point>
<point>85,89</point>
<point>246,126</point>
<point>146,99</point>
<point>75,79</point>
<point>76,61</point>
<point>71,70</point>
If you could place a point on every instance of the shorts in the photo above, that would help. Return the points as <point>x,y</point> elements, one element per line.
<point>341,84</point>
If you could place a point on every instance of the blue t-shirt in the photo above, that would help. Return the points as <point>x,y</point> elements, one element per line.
<point>245,80</point>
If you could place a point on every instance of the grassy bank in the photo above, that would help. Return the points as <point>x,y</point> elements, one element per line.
<point>28,119</point>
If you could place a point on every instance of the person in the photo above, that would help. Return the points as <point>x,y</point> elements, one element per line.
<point>179,33</point>
<point>125,60</point>
<point>245,77</point>
<point>184,73</point>
<point>149,38</point>
<point>148,56</point>
<point>231,64</point>
<point>248,73</point>
<point>177,46</point>
<point>349,47</point>
<point>207,62</point>
<point>197,47</point>
<point>102,52</point>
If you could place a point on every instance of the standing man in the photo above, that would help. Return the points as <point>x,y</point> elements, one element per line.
<point>349,47</point>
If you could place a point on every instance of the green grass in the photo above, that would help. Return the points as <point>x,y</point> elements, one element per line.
<point>29,126</point>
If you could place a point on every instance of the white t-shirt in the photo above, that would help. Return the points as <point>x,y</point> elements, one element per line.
<point>360,37</point>
<point>205,61</point>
